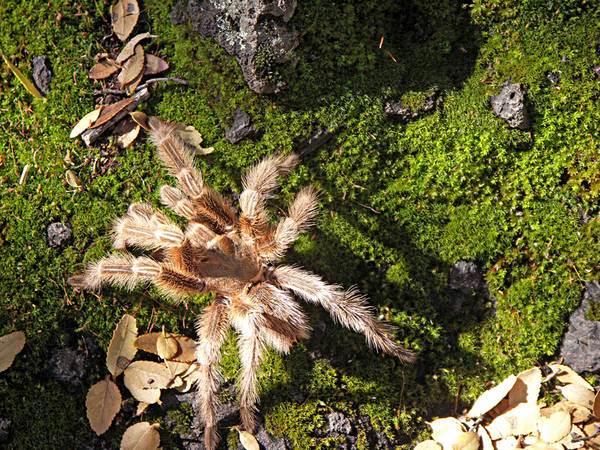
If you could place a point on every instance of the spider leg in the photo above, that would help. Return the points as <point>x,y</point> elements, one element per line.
<point>127,271</point>
<point>347,307</point>
<point>209,207</point>
<point>248,321</point>
<point>300,215</point>
<point>259,183</point>
<point>146,228</point>
<point>211,328</point>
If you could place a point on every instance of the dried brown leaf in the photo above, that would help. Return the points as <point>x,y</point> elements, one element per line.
<point>508,443</point>
<point>590,429</point>
<point>567,375</point>
<point>85,122</point>
<point>486,440</point>
<point>131,87</point>
<point>127,133</point>
<point>176,367</point>
<point>596,405</point>
<point>123,16</point>
<point>192,137</point>
<point>121,344</point>
<point>103,69</point>
<point>573,435</point>
<point>248,441</point>
<point>554,427</point>
<point>129,48</point>
<point>141,407</point>
<point>140,118</point>
<point>526,388</point>
<point>187,346</point>
<point>132,68</point>
<point>141,436</point>
<point>578,413</point>
<point>109,111</point>
<point>72,179</point>
<point>166,346</point>
<point>492,397</point>
<point>145,379</point>
<point>10,345</point>
<point>516,421</point>
<point>466,441</point>
<point>154,65</point>
<point>578,394</point>
<point>103,402</point>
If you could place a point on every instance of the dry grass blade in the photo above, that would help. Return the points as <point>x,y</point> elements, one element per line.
<point>103,402</point>
<point>123,16</point>
<point>22,78</point>
<point>10,345</point>
<point>103,69</point>
<point>141,436</point>
<point>129,48</point>
<point>155,65</point>
<point>85,122</point>
<point>121,344</point>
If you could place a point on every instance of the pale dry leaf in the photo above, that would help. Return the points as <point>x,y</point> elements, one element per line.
<point>141,407</point>
<point>573,435</point>
<point>176,383</point>
<point>123,16</point>
<point>166,346</point>
<point>516,421</point>
<point>147,342</point>
<point>486,440</point>
<point>121,344</point>
<point>132,68</point>
<point>578,413</point>
<point>567,375</point>
<point>72,179</point>
<point>145,379</point>
<point>85,122</point>
<point>26,82</point>
<point>540,445</point>
<point>492,397</point>
<point>103,402</point>
<point>127,138</point>
<point>141,436</point>
<point>446,430</point>
<point>526,388</point>
<point>508,443</point>
<point>591,429</point>
<point>129,48</point>
<point>131,87</point>
<point>154,65</point>
<point>187,346</point>
<point>192,137</point>
<point>554,427</point>
<point>103,69</point>
<point>578,394</point>
<point>248,441</point>
<point>10,345</point>
<point>596,405</point>
<point>140,118</point>
<point>428,445</point>
<point>177,367</point>
<point>466,441</point>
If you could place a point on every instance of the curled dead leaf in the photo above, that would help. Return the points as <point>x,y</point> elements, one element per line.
<point>154,65</point>
<point>492,397</point>
<point>573,439</point>
<point>486,441</point>
<point>85,122</point>
<point>129,48</point>
<point>121,344</point>
<point>109,111</point>
<point>176,367</point>
<point>141,436</point>
<point>103,402</point>
<point>133,67</point>
<point>554,427</point>
<point>140,118</point>
<point>192,138</point>
<point>10,345</point>
<point>187,346</point>
<point>103,69</point>
<point>126,133</point>
<point>578,394</point>
<point>566,375</point>
<point>248,441</point>
<point>526,388</point>
<point>72,179</point>
<point>123,16</point>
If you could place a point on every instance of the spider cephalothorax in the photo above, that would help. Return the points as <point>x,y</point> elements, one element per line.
<point>230,256</point>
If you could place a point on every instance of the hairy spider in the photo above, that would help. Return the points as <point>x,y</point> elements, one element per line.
<point>230,256</point>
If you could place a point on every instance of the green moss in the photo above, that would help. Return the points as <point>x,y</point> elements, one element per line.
<point>400,203</point>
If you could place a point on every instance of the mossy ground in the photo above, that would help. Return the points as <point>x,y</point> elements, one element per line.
<point>400,205</point>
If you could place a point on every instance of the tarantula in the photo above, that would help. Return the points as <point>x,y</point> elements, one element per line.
<point>232,257</point>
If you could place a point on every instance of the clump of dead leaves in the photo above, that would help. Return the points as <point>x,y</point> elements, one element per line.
<point>513,415</point>
<point>145,380</point>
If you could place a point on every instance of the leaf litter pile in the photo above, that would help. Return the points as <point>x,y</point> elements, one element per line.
<point>561,411</point>
<point>145,380</point>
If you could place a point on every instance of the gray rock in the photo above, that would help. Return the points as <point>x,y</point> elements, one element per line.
<point>405,114</point>
<point>267,441</point>
<point>42,74</point>
<point>68,367</point>
<point>255,32</point>
<point>581,344</point>
<point>240,128</point>
<point>338,423</point>
<point>510,105</point>
<point>59,235</point>
<point>466,277</point>
<point>4,429</point>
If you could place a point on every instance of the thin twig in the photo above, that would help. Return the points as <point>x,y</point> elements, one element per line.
<point>367,207</point>
<point>587,438</point>
<point>159,80</point>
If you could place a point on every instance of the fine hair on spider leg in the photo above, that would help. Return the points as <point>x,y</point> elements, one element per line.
<point>231,257</point>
